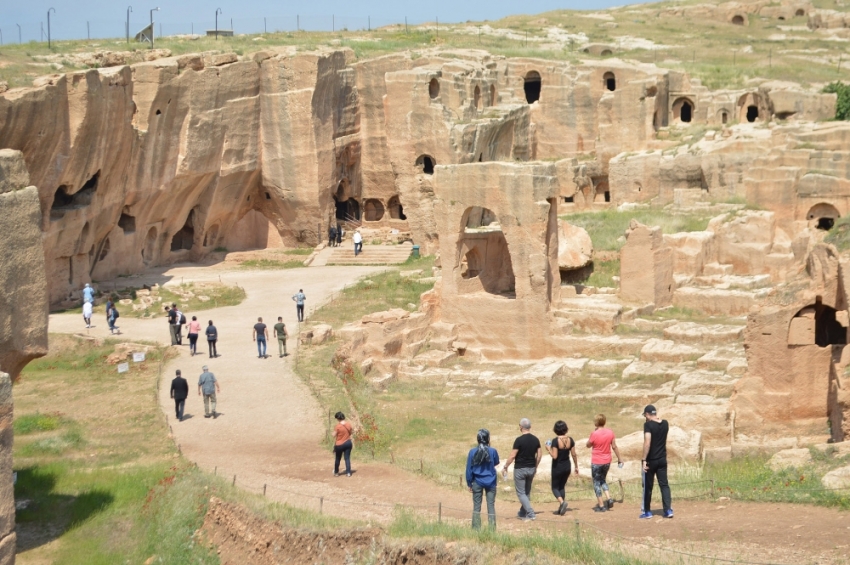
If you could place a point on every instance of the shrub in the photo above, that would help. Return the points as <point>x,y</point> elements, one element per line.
<point>842,106</point>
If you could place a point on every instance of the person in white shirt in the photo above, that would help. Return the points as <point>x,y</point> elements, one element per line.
<point>87,313</point>
<point>358,243</point>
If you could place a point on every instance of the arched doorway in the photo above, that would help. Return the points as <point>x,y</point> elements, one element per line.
<point>426,164</point>
<point>396,209</point>
<point>532,85</point>
<point>738,20</point>
<point>373,210</point>
<point>816,324</point>
<point>610,81</point>
<point>476,98</point>
<point>822,216</point>
<point>683,110</point>
<point>483,258</point>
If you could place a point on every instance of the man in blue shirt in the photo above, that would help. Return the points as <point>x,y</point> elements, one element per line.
<point>481,477</point>
<point>88,294</point>
<point>299,304</point>
<point>208,384</point>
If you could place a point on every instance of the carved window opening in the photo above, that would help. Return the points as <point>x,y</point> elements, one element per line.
<point>373,210</point>
<point>426,164</point>
<point>483,254</point>
<point>127,223</point>
<point>532,85</point>
<point>434,89</point>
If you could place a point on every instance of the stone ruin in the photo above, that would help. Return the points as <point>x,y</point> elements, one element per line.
<point>110,171</point>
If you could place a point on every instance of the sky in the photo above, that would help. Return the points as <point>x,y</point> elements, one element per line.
<point>78,19</point>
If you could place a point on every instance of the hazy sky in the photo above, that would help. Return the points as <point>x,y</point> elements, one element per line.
<point>106,17</point>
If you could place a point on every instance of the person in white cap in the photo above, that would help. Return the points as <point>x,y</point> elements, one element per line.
<point>88,294</point>
<point>654,462</point>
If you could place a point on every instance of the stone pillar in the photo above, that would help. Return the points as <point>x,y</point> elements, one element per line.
<point>7,494</point>
<point>646,267</point>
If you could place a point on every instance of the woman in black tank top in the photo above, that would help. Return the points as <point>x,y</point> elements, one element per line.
<point>561,448</point>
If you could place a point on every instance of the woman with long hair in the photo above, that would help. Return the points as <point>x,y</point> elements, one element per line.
<point>561,449</point>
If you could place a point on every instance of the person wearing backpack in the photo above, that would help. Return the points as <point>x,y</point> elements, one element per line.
<point>171,312</point>
<point>111,316</point>
<point>180,320</point>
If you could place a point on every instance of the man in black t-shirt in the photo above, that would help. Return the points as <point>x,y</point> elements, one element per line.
<point>654,462</point>
<point>173,327</point>
<point>261,336</point>
<point>527,453</point>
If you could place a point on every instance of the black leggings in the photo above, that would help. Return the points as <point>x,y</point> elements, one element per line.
<point>211,343</point>
<point>559,480</point>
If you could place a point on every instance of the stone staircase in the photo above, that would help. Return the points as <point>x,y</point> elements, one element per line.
<point>371,254</point>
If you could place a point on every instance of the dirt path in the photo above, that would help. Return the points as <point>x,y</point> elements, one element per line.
<point>271,427</point>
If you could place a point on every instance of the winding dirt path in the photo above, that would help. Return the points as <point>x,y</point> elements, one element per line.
<point>270,431</point>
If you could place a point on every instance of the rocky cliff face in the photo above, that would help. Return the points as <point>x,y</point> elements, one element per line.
<point>23,314</point>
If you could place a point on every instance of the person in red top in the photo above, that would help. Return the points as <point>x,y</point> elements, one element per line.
<point>342,444</point>
<point>602,441</point>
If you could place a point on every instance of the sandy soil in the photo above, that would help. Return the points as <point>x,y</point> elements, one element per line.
<point>271,427</point>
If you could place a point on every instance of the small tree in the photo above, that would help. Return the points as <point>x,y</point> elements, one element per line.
<point>842,105</point>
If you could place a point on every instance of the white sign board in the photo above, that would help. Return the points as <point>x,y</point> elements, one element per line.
<point>138,357</point>
<point>123,367</point>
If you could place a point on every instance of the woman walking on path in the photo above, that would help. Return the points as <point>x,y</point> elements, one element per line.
<point>602,441</point>
<point>561,449</point>
<point>194,330</point>
<point>481,478</point>
<point>111,315</point>
<point>342,444</point>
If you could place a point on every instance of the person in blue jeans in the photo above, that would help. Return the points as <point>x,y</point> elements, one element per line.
<point>481,478</point>
<point>261,336</point>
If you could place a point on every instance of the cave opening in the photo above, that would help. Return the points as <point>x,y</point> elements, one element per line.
<point>752,113</point>
<point>185,238</point>
<point>610,81</point>
<point>426,164</point>
<point>532,85</point>
<point>396,209</point>
<point>127,223</point>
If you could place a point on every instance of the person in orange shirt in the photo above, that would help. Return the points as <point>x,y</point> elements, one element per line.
<point>342,444</point>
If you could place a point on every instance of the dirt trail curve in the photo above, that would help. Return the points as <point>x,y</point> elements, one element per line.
<point>270,430</point>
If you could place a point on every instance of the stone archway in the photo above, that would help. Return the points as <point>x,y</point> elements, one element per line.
<point>822,216</point>
<point>683,110</point>
<point>373,210</point>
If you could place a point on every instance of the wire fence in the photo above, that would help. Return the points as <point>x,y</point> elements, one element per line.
<point>62,29</point>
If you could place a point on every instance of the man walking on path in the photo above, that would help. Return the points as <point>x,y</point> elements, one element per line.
<point>331,235</point>
<point>179,392</point>
<point>87,313</point>
<point>358,242</point>
<point>209,386</point>
<point>212,338</point>
<point>299,304</point>
<point>527,453</point>
<point>280,333</point>
<point>88,294</point>
<point>654,463</point>
<point>261,336</point>
<point>173,324</point>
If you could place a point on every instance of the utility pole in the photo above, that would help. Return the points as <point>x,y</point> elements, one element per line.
<point>217,12</point>
<point>88,30</point>
<point>48,25</point>
<point>19,33</point>
<point>265,27</point>
<point>152,11</point>
<point>129,9</point>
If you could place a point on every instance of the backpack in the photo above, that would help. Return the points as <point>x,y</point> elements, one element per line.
<point>115,313</point>
<point>182,318</point>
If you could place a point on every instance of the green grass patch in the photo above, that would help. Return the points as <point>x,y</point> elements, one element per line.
<point>271,264</point>
<point>603,273</point>
<point>299,251</point>
<point>839,235</point>
<point>607,228</point>
<point>38,422</point>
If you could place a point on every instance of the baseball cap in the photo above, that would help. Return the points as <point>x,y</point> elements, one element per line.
<point>204,368</point>
<point>650,409</point>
